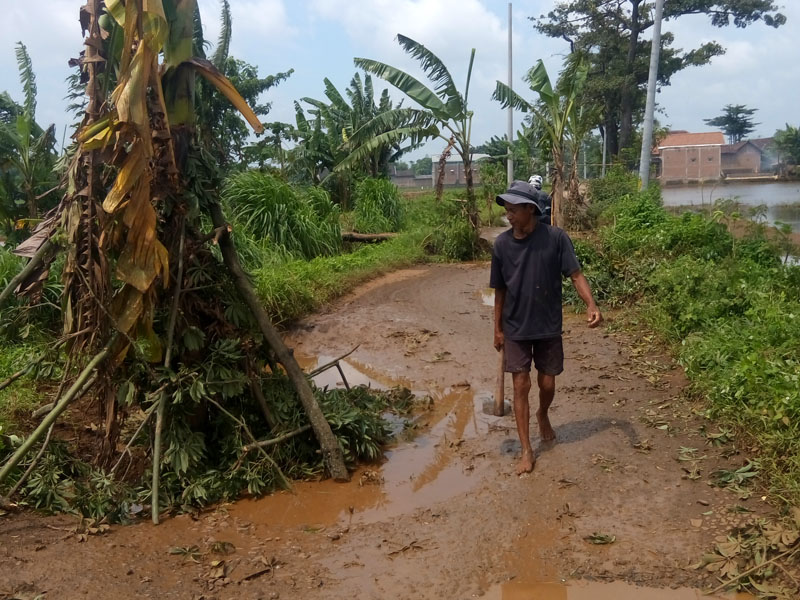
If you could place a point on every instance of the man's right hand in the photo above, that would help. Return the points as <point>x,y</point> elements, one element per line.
<point>498,340</point>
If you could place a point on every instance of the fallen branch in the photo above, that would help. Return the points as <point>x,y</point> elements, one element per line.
<point>721,587</point>
<point>255,389</point>
<point>352,236</point>
<point>215,234</point>
<point>127,449</point>
<point>277,440</point>
<point>332,454</point>
<point>34,262</point>
<point>286,484</point>
<point>22,372</point>
<point>59,408</point>
<point>332,363</point>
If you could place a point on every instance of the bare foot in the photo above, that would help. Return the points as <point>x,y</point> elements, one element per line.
<point>525,464</point>
<point>545,429</point>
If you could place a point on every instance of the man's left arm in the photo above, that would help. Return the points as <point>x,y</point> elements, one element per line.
<point>593,316</point>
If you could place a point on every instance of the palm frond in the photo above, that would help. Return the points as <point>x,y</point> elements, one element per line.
<point>199,44</point>
<point>539,82</point>
<point>508,97</point>
<point>398,118</point>
<point>407,84</point>
<point>27,79</point>
<point>436,71</point>
<point>414,134</point>
<point>469,77</point>
<point>225,33</point>
<point>334,96</point>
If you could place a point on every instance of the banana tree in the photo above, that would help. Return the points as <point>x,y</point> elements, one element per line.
<point>130,220</point>
<point>557,114</point>
<point>444,113</point>
<point>27,153</point>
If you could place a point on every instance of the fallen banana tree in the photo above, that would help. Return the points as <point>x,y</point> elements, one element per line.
<point>136,313</point>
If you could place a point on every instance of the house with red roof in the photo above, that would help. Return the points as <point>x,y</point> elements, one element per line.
<point>690,157</point>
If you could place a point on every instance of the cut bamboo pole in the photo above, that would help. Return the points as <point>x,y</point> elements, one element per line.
<point>499,393</point>
<point>59,408</point>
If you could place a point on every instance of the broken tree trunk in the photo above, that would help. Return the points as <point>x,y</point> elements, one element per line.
<point>352,236</point>
<point>332,455</point>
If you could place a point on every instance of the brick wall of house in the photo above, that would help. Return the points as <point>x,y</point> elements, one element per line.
<point>690,163</point>
<point>746,160</point>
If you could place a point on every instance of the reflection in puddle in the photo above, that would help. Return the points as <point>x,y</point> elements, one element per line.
<point>418,473</point>
<point>582,590</point>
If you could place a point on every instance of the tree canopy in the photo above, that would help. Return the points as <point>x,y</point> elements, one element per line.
<point>611,30</point>
<point>736,121</point>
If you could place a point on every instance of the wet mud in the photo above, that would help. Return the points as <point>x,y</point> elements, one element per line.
<point>443,515</point>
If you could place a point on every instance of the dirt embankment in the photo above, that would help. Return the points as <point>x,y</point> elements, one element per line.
<point>444,516</point>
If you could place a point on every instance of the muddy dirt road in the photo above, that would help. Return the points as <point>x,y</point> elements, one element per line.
<point>444,517</point>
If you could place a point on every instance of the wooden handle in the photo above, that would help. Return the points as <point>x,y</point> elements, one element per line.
<point>499,400</point>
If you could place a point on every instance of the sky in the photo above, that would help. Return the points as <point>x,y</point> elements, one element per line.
<point>319,38</point>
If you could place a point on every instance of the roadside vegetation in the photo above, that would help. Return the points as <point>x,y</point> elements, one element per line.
<point>726,305</point>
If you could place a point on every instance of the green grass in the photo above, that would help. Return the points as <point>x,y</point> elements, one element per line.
<point>293,289</point>
<point>288,219</point>
<point>727,307</point>
<point>377,206</point>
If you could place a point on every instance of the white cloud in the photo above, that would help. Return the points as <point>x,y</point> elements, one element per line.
<point>256,24</point>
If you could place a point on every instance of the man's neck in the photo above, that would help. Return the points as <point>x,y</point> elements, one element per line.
<point>525,231</point>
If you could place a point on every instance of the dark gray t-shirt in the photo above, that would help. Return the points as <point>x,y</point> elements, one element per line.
<point>530,271</point>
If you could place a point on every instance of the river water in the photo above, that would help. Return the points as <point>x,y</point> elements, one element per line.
<point>782,198</point>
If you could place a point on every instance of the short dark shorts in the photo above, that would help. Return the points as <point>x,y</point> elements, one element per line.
<point>546,355</point>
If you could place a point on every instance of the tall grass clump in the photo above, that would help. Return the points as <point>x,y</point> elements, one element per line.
<point>302,223</point>
<point>727,306</point>
<point>377,206</point>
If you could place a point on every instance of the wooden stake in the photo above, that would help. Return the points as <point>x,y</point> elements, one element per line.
<point>499,393</point>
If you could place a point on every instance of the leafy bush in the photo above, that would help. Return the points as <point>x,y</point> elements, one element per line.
<point>299,222</point>
<point>377,206</point>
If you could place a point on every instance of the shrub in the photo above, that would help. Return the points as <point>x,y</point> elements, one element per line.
<point>377,206</point>
<point>295,221</point>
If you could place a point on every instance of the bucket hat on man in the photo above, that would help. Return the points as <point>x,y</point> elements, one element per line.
<point>520,192</point>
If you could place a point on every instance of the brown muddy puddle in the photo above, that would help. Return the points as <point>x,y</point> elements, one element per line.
<point>415,473</point>
<point>585,590</point>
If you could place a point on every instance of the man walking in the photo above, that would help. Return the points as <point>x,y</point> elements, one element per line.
<point>528,262</point>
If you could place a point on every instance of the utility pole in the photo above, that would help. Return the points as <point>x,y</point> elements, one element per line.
<point>647,135</point>
<point>510,161</point>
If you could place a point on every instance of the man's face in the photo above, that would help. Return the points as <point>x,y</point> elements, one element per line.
<point>519,215</point>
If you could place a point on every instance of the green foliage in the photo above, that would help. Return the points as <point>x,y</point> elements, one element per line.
<point>736,121</point>
<point>453,237</point>
<point>619,64</point>
<point>787,143</point>
<point>618,183</point>
<point>729,308</point>
<point>295,288</point>
<point>377,206</point>
<point>300,223</point>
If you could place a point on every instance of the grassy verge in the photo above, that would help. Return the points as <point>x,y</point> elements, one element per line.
<point>727,306</point>
<point>293,289</point>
